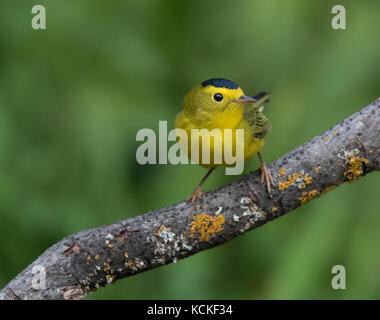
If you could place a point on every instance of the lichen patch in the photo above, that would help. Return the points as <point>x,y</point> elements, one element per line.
<point>206,226</point>
<point>252,212</point>
<point>74,294</point>
<point>355,168</point>
<point>110,278</point>
<point>307,196</point>
<point>301,180</point>
<point>165,234</point>
<point>168,245</point>
<point>281,172</point>
<point>109,239</point>
<point>328,189</point>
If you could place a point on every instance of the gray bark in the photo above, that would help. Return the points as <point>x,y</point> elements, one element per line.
<point>82,262</point>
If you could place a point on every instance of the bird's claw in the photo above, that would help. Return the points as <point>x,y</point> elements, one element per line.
<point>197,194</point>
<point>266,176</point>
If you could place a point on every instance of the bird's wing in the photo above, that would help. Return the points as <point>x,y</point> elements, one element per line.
<point>254,116</point>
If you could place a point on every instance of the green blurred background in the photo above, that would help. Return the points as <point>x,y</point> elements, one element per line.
<point>72,98</point>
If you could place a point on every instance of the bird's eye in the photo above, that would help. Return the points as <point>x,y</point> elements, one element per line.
<point>218,97</point>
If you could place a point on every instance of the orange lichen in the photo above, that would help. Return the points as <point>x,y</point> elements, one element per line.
<point>282,172</point>
<point>206,225</point>
<point>325,138</point>
<point>159,230</point>
<point>307,179</point>
<point>328,189</point>
<point>316,169</point>
<point>302,179</point>
<point>274,209</point>
<point>106,267</point>
<point>97,257</point>
<point>134,264</point>
<point>286,184</point>
<point>355,168</point>
<point>307,196</point>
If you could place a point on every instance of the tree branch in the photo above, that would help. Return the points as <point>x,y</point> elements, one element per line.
<point>82,262</point>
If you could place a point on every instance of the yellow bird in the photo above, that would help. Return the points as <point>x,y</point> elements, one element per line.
<point>221,104</point>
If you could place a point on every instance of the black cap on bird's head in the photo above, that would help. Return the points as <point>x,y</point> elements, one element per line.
<point>220,83</point>
<point>228,84</point>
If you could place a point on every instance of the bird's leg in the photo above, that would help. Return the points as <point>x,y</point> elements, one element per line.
<point>265,174</point>
<point>198,189</point>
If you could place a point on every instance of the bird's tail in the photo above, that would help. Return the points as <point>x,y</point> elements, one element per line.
<point>258,106</point>
<point>261,97</point>
<point>253,114</point>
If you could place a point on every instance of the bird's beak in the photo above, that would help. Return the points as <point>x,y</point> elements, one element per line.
<point>244,99</point>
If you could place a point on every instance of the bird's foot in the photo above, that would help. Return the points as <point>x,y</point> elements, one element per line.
<point>197,194</point>
<point>266,176</point>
